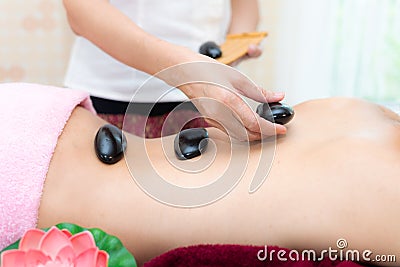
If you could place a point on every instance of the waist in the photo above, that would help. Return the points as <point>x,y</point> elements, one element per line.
<point>106,106</point>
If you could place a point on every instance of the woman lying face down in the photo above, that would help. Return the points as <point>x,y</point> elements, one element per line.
<point>334,175</point>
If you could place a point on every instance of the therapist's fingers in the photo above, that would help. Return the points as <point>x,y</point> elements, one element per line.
<point>266,127</point>
<point>257,93</point>
<point>269,96</point>
<point>256,127</point>
<point>245,135</point>
<point>259,127</point>
<point>233,116</point>
<point>254,51</point>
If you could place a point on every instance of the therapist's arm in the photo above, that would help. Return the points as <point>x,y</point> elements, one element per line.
<point>245,16</point>
<point>113,32</point>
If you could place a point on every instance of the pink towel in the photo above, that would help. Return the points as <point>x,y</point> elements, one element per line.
<point>32,118</point>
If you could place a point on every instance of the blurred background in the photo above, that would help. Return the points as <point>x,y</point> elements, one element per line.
<point>315,48</point>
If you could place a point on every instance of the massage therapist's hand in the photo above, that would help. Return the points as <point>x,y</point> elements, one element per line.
<point>129,44</point>
<point>223,106</point>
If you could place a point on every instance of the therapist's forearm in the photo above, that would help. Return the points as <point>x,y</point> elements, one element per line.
<point>113,32</point>
<point>245,16</point>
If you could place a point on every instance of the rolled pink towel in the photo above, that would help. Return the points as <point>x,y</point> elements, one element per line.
<point>32,118</point>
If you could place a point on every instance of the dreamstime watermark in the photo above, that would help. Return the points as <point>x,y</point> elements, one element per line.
<point>340,253</point>
<point>201,76</point>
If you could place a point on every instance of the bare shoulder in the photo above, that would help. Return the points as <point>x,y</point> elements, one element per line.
<point>336,103</point>
<point>350,120</point>
<point>345,108</point>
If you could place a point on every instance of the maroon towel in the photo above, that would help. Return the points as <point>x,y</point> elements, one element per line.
<point>235,255</point>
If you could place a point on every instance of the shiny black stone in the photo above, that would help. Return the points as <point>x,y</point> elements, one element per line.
<point>275,112</point>
<point>210,49</point>
<point>110,144</point>
<point>190,143</point>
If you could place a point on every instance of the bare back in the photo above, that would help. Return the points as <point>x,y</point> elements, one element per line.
<point>334,175</point>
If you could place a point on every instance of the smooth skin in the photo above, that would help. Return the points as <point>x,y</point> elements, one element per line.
<point>117,35</point>
<point>335,175</point>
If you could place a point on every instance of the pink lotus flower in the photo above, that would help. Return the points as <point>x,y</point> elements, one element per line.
<point>55,248</point>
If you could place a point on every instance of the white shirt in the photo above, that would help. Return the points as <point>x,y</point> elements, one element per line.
<point>188,23</point>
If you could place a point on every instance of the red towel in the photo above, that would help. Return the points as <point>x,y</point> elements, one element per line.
<point>235,255</point>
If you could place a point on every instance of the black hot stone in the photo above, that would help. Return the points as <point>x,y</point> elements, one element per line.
<point>110,144</point>
<point>190,143</point>
<point>210,49</point>
<point>275,112</point>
